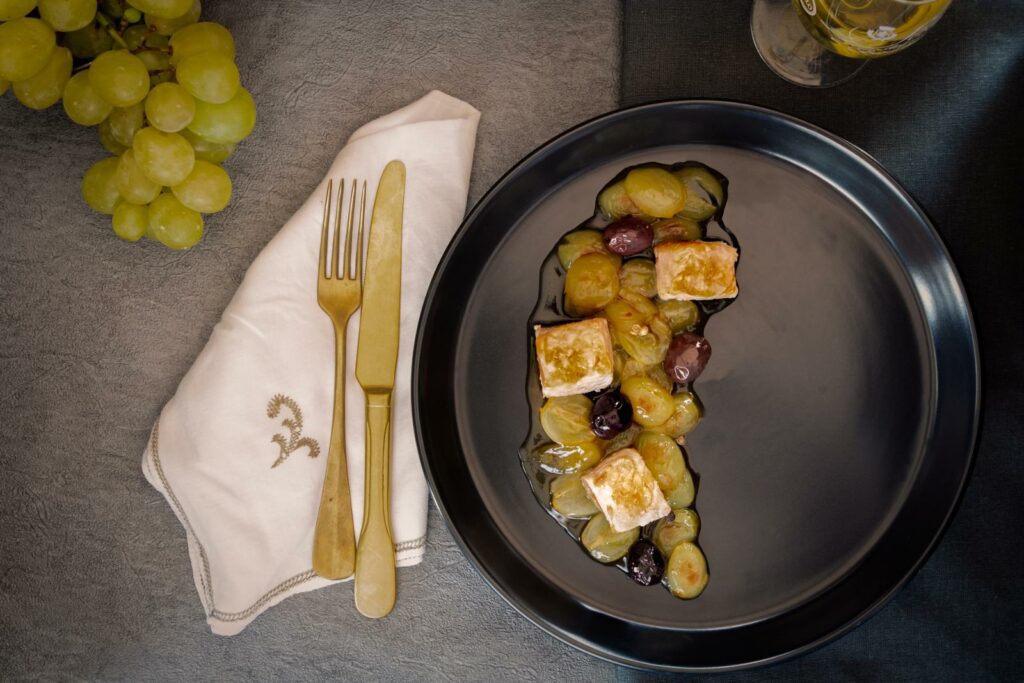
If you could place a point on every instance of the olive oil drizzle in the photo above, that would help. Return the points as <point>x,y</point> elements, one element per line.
<point>549,310</point>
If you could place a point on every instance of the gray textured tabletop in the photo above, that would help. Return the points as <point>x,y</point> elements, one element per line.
<point>95,335</point>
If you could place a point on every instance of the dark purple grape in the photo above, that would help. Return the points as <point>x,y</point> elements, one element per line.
<point>628,236</point>
<point>645,563</point>
<point>686,357</point>
<point>611,414</point>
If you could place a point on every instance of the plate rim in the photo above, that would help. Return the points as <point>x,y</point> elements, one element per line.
<point>879,602</point>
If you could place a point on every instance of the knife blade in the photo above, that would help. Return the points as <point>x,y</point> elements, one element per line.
<point>375,369</point>
<point>377,353</point>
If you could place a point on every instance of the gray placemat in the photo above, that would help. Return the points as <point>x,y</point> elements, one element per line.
<point>945,117</point>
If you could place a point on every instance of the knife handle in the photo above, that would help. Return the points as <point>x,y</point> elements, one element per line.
<point>375,556</point>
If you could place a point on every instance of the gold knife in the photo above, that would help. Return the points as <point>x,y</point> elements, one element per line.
<point>375,370</point>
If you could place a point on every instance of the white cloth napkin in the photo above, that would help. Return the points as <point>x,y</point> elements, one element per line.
<point>261,390</point>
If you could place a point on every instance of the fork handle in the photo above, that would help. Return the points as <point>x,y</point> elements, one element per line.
<point>334,543</point>
<point>375,561</point>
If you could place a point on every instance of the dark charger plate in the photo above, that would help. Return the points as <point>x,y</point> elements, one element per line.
<point>841,398</point>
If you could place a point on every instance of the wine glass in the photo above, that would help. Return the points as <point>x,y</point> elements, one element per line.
<point>820,43</point>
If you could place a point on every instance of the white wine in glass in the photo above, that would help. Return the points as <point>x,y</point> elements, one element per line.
<point>818,43</point>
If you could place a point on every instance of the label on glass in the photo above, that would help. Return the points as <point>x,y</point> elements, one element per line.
<point>809,7</point>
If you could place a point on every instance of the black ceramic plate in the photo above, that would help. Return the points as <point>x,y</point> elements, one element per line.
<point>841,401</point>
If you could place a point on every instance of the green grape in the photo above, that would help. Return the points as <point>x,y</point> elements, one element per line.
<point>655,191</point>
<point>167,9</point>
<point>604,543</point>
<point>108,140</point>
<point>166,158</point>
<point>156,40</point>
<point>132,183</point>
<point>67,15</point>
<point>155,60</point>
<point>214,152</point>
<point>130,221</point>
<point>207,188</point>
<point>174,224</point>
<point>114,9</point>
<point>26,46</point>
<point>135,36</point>
<point>169,107</point>
<point>226,123</point>
<point>82,103</point>
<point>15,9</point>
<point>167,27</point>
<point>132,15</point>
<point>119,77</point>
<point>160,77</point>
<point>566,419</point>
<point>686,572</point>
<point>98,187</point>
<point>47,86</point>
<point>569,498</point>
<point>4,85</point>
<point>209,76</point>
<point>206,36</point>
<point>125,122</point>
<point>86,43</point>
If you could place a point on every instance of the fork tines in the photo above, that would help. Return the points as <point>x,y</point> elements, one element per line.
<point>351,271</point>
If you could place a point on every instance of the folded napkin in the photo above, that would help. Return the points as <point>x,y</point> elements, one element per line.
<point>239,452</point>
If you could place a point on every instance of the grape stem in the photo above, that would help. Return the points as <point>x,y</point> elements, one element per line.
<point>106,23</point>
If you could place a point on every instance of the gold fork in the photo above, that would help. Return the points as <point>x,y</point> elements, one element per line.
<point>338,292</point>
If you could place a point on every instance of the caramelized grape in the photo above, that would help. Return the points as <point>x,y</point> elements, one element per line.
<point>687,356</point>
<point>628,236</point>
<point>657,373</point>
<point>644,346</point>
<point>626,366</point>
<point>569,498</point>
<point>566,419</point>
<point>577,243</point>
<point>655,191</point>
<point>682,525</point>
<point>647,308</point>
<point>604,543</point>
<point>663,458</point>
<point>623,440</point>
<point>681,316</point>
<point>652,405</point>
<point>591,283</point>
<point>687,572</point>
<point>675,230</point>
<point>704,194</point>
<point>638,275</point>
<point>682,495</point>
<point>685,416</point>
<point>615,203</point>
<point>561,459</point>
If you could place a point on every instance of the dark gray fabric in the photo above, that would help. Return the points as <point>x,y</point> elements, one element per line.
<point>95,335</point>
<point>945,117</point>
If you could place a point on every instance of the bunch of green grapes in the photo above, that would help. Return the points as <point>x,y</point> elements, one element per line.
<point>162,89</point>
